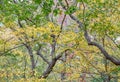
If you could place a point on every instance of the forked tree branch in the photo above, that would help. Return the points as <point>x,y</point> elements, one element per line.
<point>92,43</point>
<point>43,58</point>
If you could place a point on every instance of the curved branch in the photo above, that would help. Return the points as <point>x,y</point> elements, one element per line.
<point>43,58</point>
<point>51,65</point>
<point>101,48</point>
<point>87,37</point>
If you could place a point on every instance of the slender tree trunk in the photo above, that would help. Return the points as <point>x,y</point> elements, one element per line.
<point>51,65</point>
<point>49,69</point>
<point>31,58</point>
<point>63,73</point>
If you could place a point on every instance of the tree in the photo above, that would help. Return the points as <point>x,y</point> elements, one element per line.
<point>60,31</point>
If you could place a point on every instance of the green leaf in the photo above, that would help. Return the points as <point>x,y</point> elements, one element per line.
<point>56,11</point>
<point>45,36</point>
<point>71,10</point>
<point>38,1</point>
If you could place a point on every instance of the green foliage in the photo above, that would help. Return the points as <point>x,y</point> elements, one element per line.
<point>38,1</point>
<point>56,11</point>
<point>47,7</point>
<point>71,10</point>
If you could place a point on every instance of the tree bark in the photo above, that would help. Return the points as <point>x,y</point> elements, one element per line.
<point>49,69</point>
<point>31,57</point>
<point>51,65</point>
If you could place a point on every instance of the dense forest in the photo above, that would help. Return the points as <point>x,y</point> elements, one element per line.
<point>59,40</point>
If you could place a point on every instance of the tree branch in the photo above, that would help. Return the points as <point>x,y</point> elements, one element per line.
<point>60,55</point>
<point>30,51</point>
<point>72,17</point>
<point>11,49</point>
<point>103,51</point>
<point>51,65</point>
<point>43,58</point>
<point>87,37</point>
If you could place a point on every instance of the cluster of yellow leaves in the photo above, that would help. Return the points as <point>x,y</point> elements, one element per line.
<point>10,24</point>
<point>102,1</point>
<point>42,33</point>
<point>31,80</point>
<point>73,76</point>
<point>7,39</point>
<point>18,52</point>
<point>67,37</point>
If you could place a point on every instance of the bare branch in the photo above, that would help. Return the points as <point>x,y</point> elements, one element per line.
<point>51,65</point>
<point>11,49</point>
<point>30,51</point>
<point>72,17</point>
<point>67,3</point>
<point>53,45</point>
<point>30,20</point>
<point>43,58</point>
<point>87,37</point>
<point>60,55</point>
<point>56,37</point>
<point>19,22</point>
<point>62,23</point>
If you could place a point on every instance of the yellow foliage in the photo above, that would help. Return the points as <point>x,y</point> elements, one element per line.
<point>73,76</point>
<point>67,37</point>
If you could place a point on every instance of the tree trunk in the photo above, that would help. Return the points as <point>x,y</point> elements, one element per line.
<point>51,65</point>
<point>31,58</point>
<point>49,69</point>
